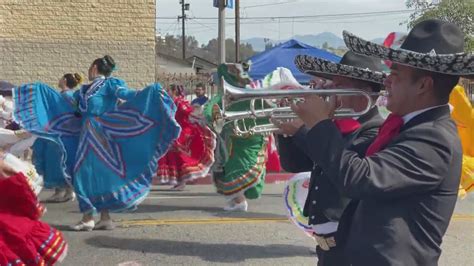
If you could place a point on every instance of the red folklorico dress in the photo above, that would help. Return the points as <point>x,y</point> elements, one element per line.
<point>192,154</point>
<point>24,239</point>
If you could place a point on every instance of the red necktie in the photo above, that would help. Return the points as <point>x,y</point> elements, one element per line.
<point>347,125</point>
<point>389,129</point>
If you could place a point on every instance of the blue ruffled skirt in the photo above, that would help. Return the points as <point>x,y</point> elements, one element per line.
<point>47,161</point>
<point>109,158</point>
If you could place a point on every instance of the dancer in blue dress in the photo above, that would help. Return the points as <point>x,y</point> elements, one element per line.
<point>47,153</point>
<point>111,140</point>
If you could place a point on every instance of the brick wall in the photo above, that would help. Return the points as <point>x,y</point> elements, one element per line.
<point>43,39</point>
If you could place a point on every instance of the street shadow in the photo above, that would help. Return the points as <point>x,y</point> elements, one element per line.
<point>164,190</point>
<point>253,215</point>
<point>61,227</point>
<point>152,208</point>
<point>214,211</point>
<point>173,193</point>
<point>278,195</point>
<point>223,253</point>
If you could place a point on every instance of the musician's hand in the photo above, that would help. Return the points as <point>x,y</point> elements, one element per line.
<point>288,128</point>
<point>314,110</point>
<point>5,170</point>
<point>320,83</point>
<point>284,102</point>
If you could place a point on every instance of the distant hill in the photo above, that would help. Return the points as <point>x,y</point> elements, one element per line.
<point>317,40</point>
<point>378,40</point>
<point>258,44</point>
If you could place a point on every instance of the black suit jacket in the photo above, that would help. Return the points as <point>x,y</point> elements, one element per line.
<point>406,192</point>
<point>324,202</point>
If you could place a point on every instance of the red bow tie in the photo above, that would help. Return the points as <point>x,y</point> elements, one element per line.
<point>389,130</point>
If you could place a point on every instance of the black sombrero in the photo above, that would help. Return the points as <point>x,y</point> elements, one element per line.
<point>352,65</point>
<point>432,45</point>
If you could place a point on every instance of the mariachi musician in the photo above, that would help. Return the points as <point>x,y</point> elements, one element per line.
<point>407,182</point>
<point>324,203</point>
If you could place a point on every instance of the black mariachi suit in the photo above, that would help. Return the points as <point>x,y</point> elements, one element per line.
<point>325,202</point>
<point>406,193</point>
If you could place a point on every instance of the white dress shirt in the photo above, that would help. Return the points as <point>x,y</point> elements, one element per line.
<point>410,116</point>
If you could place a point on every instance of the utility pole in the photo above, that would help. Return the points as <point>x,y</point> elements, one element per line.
<point>221,36</point>
<point>184,7</point>
<point>237,31</point>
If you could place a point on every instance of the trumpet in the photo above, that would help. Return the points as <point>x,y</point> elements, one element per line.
<point>232,95</point>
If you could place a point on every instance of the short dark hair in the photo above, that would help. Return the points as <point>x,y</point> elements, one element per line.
<point>443,84</point>
<point>105,65</point>
<point>200,85</point>
<point>375,87</point>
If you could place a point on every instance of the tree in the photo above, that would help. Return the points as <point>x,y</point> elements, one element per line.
<point>212,46</point>
<point>269,46</point>
<point>459,12</point>
<point>325,46</point>
<point>246,51</point>
<point>171,45</point>
<point>191,43</point>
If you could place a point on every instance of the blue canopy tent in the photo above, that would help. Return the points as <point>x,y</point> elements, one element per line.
<point>283,55</point>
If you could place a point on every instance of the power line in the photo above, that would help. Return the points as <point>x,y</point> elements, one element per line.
<point>271,4</point>
<point>175,28</point>
<point>308,16</point>
<point>202,24</point>
<point>307,20</point>
<point>171,25</point>
<point>197,22</point>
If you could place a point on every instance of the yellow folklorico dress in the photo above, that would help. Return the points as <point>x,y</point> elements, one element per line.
<point>463,114</point>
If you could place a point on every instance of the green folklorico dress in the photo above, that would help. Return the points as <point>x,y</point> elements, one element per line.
<point>240,161</point>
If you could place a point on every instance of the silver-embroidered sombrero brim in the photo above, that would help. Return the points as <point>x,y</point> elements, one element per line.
<point>326,69</point>
<point>460,64</point>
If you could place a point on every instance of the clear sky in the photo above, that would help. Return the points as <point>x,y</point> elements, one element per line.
<point>367,26</point>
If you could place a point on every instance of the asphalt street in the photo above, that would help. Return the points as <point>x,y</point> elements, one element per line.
<point>190,228</point>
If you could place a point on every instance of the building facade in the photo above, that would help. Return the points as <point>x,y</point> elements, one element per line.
<point>40,40</point>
